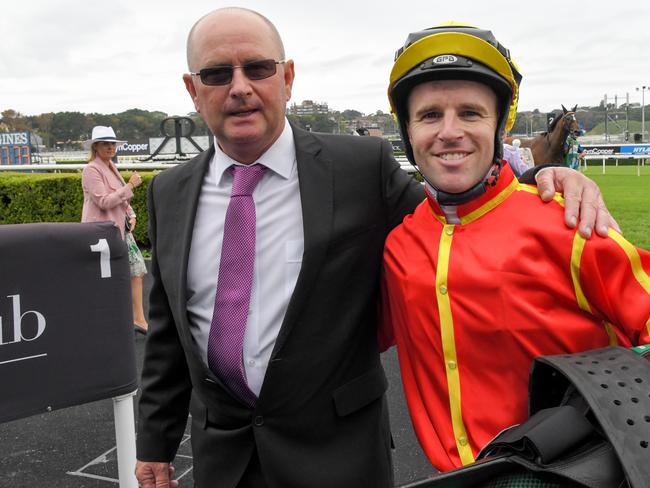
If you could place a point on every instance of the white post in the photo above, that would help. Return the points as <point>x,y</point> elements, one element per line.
<point>643,114</point>
<point>125,439</point>
<point>603,165</point>
<point>642,90</point>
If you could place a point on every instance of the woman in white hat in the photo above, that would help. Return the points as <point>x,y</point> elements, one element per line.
<point>107,197</point>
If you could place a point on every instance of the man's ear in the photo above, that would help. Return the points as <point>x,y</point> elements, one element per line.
<point>289,75</point>
<point>191,89</point>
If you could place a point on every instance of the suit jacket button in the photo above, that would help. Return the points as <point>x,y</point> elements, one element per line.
<point>258,421</point>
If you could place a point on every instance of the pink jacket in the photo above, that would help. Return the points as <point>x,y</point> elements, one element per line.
<point>106,197</point>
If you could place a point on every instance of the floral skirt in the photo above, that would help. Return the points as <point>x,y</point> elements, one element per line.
<point>136,261</point>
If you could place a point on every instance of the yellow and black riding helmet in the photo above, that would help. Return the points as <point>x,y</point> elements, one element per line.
<point>455,52</point>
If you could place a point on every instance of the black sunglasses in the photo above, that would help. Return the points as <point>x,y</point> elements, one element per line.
<point>222,75</point>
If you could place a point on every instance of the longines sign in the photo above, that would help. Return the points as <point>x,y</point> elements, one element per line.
<point>66,334</point>
<point>15,148</point>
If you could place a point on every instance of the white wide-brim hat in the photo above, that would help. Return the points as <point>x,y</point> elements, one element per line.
<point>102,133</point>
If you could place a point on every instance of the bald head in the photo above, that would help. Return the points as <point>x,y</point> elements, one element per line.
<point>246,114</point>
<point>248,19</point>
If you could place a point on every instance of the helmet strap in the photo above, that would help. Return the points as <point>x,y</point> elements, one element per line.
<point>447,198</point>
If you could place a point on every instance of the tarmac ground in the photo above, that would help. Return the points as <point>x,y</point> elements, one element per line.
<point>75,447</point>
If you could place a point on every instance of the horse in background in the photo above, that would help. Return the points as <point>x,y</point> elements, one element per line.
<point>548,147</point>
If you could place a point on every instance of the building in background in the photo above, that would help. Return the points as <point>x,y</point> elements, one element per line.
<point>308,107</point>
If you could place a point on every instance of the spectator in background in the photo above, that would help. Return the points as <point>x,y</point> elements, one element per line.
<point>107,197</point>
<point>572,151</point>
<point>512,155</point>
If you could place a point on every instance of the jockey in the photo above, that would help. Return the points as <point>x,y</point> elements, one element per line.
<point>483,277</point>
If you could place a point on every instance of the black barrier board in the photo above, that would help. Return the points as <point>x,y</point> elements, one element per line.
<point>66,332</point>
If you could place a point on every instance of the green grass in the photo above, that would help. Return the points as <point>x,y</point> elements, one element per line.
<point>628,198</point>
<point>617,128</point>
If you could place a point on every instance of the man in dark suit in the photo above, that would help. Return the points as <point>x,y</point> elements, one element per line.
<point>304,405</point>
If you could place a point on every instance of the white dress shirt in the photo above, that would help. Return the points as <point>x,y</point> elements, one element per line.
<point>278,251</point>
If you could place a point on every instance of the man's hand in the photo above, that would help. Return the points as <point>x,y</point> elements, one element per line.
<point>155,475</point>
<point>582,198</point>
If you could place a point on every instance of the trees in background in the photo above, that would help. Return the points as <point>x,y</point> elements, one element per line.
<point>67,129</point>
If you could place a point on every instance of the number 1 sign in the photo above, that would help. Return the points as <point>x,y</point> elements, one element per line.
<point>66,334</point>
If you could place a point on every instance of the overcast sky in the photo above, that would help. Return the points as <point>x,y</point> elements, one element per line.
<point>87,56</point>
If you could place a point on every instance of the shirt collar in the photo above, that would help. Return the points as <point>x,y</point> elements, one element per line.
<point>474,209</point>
<point>280,157</point>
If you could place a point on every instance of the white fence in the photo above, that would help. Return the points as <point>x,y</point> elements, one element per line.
<point>640,160</point>
<point>137,164</point>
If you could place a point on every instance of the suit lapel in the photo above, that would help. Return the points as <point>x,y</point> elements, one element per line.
<point>186,203</point>
<point>315,179</point>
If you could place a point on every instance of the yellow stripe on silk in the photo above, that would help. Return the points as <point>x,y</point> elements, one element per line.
<point>576,256</point>
<point>439,218</point>
<point>497,200</point>
<point>609,328</point>
<point>449,347</point>
<point>635,259</point>
<point>528,188</point>
<point>533,189</point>
<point>635,262</point>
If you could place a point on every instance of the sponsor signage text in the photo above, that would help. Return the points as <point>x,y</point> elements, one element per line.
<point>610,150</point>
<point>133,148</point>
<point>15,148</point>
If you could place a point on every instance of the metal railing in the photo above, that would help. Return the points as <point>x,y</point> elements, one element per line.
<point>61,168</point>
<point>159,165</point>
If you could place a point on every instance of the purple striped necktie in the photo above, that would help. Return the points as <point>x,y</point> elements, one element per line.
<point>232,301</point>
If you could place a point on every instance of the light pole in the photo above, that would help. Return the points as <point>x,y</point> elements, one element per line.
<point>643,89</point>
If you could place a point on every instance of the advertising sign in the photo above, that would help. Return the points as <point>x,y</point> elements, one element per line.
<point>398,145</point>
<point>600,150</point>
<point>66,333</point>
<point>133,148</point>
<point>166,145</point>
<point>610,150</point>
<point>15,148</point>
<point>638,149</point>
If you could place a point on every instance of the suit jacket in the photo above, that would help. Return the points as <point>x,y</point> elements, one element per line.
<point>106,197</point>
<point>321,419</point>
